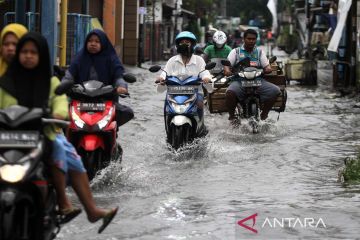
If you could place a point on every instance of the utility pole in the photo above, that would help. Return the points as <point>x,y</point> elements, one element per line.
<point>308,35</point>
<point>63,27</point>
<point>153,29</point>
<point>142,12</point>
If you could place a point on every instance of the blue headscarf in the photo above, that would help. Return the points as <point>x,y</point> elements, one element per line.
<point>106,63</point>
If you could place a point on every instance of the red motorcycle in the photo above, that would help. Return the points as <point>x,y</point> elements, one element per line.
<point>93,128</point>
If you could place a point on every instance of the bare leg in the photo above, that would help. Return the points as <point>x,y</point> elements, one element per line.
<point>59,181</point>
<point>80,184</point>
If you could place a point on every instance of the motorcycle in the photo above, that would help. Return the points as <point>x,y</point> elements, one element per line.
<point>93,127</point>
<point>250,78</point>
<point>184,120</point>
<point>28,203</point>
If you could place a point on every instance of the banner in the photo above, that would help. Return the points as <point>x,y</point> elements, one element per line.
<point>344,7</point>
<point>272,7</point>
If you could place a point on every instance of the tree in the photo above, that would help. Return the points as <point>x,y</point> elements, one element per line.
<point>249,10</point>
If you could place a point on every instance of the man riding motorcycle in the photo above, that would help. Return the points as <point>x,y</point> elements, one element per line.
<point>268,92</point>
<point>219,49</point>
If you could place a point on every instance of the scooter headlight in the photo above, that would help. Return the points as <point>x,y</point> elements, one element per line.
<point>77,120</point>
<point>103,122</point>
<point>180,108</point>
<point>241,74</point>
<point>13,173</point>
<point>250,75</point>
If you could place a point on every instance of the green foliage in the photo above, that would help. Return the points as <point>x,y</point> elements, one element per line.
<point>194,28</point>
<point>286,41</point>
<point>351,172</point>
<point>247,11</point>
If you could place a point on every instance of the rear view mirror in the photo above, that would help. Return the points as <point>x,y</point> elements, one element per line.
<point>129,78</point>
<point>210,65</point>
<point>154,68</point>
<point>64,87</point>
<point>226,63</point>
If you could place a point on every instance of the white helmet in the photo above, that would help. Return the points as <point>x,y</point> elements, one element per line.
<point>219,39</point>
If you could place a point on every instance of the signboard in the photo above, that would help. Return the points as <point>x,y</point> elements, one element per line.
<point>157,12</point>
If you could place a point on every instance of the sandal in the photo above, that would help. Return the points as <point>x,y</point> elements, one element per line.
<point>68,214</point>
<point>107,219</point>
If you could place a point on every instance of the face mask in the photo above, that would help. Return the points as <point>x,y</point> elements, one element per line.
<point>184,49</point>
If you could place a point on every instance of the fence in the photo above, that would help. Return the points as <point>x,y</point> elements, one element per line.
<point>78,26</point>
<point>32,20</point>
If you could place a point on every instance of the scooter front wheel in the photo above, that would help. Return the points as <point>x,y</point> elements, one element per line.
<point>92,162</point>
<point>179,136</point>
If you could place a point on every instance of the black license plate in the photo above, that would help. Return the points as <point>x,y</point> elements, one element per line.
<point>181,90</point>
<point>18,139</point>
<point>251,83</point>
<point>93,107</point>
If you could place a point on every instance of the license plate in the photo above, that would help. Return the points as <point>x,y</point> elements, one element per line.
<point>251,83</point>
<point>93,107</point>
<point>181,90</point>
<point>18,139</point>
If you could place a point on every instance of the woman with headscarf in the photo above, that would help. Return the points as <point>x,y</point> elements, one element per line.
<point>9,37</point>
<point>98,60</point>
<point>29,82</point>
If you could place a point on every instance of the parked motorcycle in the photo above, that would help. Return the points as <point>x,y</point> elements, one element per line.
<point>93,128</point>
<point>28,203</point>
<point>184,120</point>
<point>250,78</point>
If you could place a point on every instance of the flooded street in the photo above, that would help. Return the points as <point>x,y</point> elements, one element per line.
<point>290,168</point>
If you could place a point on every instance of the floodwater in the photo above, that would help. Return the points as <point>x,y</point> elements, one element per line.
<point>289,169</point>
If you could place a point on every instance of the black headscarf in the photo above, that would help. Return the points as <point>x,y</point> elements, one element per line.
<point>106,63</point>
<point>31,87</point>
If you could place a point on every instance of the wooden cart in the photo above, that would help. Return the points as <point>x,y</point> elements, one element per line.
<point>216,100</point>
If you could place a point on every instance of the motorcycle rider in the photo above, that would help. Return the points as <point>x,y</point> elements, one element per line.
<point>268,92</point>
<point>9,37</point>
<point>219,48</point>
<point>98,60</point>
<point>185,63</point>
<point>28,82</point>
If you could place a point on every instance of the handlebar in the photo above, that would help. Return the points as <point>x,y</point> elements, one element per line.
<point>61,123</point>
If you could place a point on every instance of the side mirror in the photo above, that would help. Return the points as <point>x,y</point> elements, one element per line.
<point>272,59</point>
<point>226,63</point>
<point>64,87</point>
<point>154,69</point>
<point>129,78</point>
<point>210,65</point>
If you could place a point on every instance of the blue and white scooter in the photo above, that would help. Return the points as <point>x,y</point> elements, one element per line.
<point>184,120</point>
